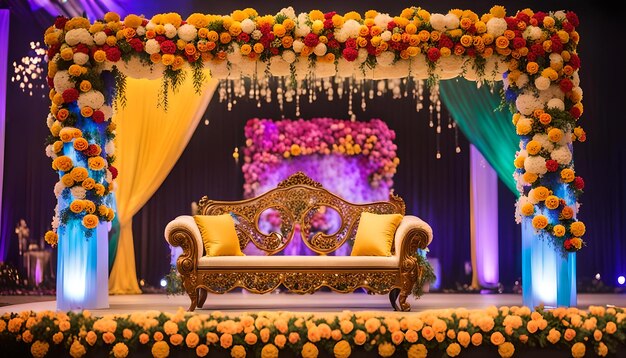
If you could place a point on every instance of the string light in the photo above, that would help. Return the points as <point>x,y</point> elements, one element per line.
<point>28,74</point>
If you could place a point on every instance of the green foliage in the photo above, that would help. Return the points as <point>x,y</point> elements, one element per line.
<point>174,283</point>
<point>198,76</point>
<point>120,88</point>
<point>427,277</point>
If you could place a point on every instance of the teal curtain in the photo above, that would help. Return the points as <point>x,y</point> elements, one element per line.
<point>475,110</point>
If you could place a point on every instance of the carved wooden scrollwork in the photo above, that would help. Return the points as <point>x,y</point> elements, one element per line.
<point>294,198</point>
<point>416,238</point>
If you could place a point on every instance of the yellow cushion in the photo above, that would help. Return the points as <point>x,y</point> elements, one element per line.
<point>375,234</point>
<point>219,235</point>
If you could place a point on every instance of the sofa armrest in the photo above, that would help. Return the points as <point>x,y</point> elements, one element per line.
<point>184,232</point>
<point>411,234</point>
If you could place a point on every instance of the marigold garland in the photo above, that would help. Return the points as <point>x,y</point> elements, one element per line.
<point>507,330</point>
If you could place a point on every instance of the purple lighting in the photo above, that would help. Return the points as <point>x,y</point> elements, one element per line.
<point>4,54</point>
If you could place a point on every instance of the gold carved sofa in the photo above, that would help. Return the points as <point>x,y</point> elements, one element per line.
<point>296,198</point>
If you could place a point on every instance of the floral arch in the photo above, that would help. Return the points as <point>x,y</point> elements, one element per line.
<point>534,53</point>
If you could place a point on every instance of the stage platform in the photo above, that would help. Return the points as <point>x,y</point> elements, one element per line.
<point>239,302</point>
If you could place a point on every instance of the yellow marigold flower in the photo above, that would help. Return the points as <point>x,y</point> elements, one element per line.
<point>258,47</point>
<point>316,15</point>
<point>309,350</point>
<point>111,16</point>
<point>342,349</point>
<point>558,230</point>
<point>527,209</point>
<point>577,228</point>
<point>545,119</point>
<point>530,177</point>
<point>548,22</point>
<point>550,73</point>
<point>352,15</point>
<point>540,193</point>
<point>90,221</point>
<point>567,175</point>
<point>578,350</point>
<point>506,350</point>
<point>555,135</point>
<point>502,42</point>
<point>96,163</point>
<point>552,202</point>
<point>225,37</point>
<point>160,349</point>
<point>99,188</point>
<point>198,20</point>
<point>62,163</point>
<point>533,147</point>
<point>540,222</point>
<point>453,350</point>
<point>386,349</point>
<point>77,206</point>
<point>39,349</point>
<point>269,350</point>
<point>51,238</point>
<point>77,350</point>
<point>79,174</point>
<point>100,56</point>
<point>498,11</point>
<point>120,350</point>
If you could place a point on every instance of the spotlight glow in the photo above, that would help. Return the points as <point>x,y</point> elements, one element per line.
<point>621,280</point>
<point>163,282</point>
<point>597,276</point>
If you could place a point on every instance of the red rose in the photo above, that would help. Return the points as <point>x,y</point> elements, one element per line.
<point>567,244</point>
<point>50,82</point>
<point>329,15</point>
<point>328,24</point>
<point>572,18</point>
<point>274,50</point>
<point>391,25</point>
<point>265,29</point>
<point>70,95</point>
<point>82,48</point>
<point>575,112</point>
<point>92,150</point>
<point>168,47</point>
<point>519,42</point>
<point>567,26</point>
<point>539,16</point>
<point>522,17</point>
<point>351,43</point>
<point>144,22</point>
<point>433,54</point>
<point>444,41</point>
<point>113,171</point>
<point>557,46</point>
<point>574,61</point>
<point>60,21</point>
<point>579,183</point>
<point>160,39</point>
<point>350,54</point>
<point>333,44</point>
<point>136,44</point>
<point>471,52</point>
<point>113,54</point>
<point>472,29</point>
<point>459,49</point>
<point>311,40</point>
<point>52,50</point>
<point>98,116</point>
<point>108,32</point>
<point>243,37</point>
<point>511,23</point>
<point>531,56</point>
<point>537,49</point>
<point>371,50</point>
<point>566,85</point>
<point>552,165</point>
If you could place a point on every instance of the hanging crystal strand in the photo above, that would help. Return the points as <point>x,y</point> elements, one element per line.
<point>450,120</point>
<point>456,137</point>
<point>222,90</point>
<point>380,87</point>
<point>371,91</point>
<point>430,115</point>
<point>298,91</point>
<point>257,88</point>
<point>420,95</point>
<point>363,104</point>
<point>340,83</point>
<point>268,90</point>
<point>228,95</point>
<point>330,91</point>
<point>350,90</point>
<point>405,93</point>
<point>279,96</point>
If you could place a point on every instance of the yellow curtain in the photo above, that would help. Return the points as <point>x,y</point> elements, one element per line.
<point>149,142</point>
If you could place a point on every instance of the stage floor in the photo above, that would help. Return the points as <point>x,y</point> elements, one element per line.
<point>238,302</point>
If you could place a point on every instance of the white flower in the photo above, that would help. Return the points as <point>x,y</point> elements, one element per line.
<point>298,46</point>
<point>140,30</point>
<point>577,92</point>
<point>107,111</point>
<point>58,188</point>
<point>187,32</point>
<point>522,80</point>
<point>544,141</point>
<point>386,35</point>
<point>302,29</point>
<point>63,81</point>
<point>256,34</point>
<point>556,103</point>
<point>531,197</point>
<point>562,155</point>
<point>519,185</point>
<point>109,148</point>
<point>438,22</point>
<point>452,21</point>
<point>567,139</point>
<point>532,33</point>
<point>518,207</point>
<point>80,58</point>
<point>93,99</point>
<point>576,79</point>
<point>542,83</point>
<point>350,29</point>
<point>78,192</point>
<point>56,221</point>
<point>50,152</point>
<point>289,12</point>
<point>555,58</point>
<point>381,20</point>
<point>386,58</point>
<point>152,46</point>
<point>49,120</point>
<point>150,25</point>
<point>320,49</point>
<point>362,56</point>
<point>560,15</point>
<point>535,164</point>
<point>100,38</point>
<point>76,36</point>
<point>170,30</point>
<point>526,103</point>
<point>247,26</point>
<point>496,26</point>
<point>289,56</point>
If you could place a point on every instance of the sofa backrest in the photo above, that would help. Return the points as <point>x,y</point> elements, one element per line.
<point>297,198</point>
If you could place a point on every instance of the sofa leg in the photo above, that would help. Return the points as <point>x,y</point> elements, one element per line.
<point>393,298</point>
<point>202,293</point>
<point>193,296</point>
<point>404,306</point>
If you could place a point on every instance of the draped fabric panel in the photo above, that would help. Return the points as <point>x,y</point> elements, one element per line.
<point>489,129</point>
<point>4,55</point>
<point>149,142</point>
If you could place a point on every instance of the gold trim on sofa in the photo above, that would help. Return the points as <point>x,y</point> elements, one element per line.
<point>294,198</point>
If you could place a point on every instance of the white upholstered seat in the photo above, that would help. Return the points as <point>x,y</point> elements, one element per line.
<point>317,262</point>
